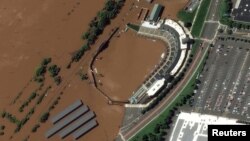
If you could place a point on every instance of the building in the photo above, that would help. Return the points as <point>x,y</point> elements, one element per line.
<point>241,11</point>
<point>155,13</point>
<point>194,126</point>
<point>171,62</point>
<point>155,87</point>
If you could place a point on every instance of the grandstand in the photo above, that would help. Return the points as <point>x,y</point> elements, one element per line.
<point>172,34</point>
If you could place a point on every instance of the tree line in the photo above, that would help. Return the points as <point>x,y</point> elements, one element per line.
<point>97,25</point>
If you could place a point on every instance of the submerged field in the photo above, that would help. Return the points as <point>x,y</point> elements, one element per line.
<point>32,30</point>
<point>129,59</point>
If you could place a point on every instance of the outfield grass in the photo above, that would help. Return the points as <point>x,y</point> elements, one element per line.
<point>186,17</point>
<point>200,18</point>
<point>188,89</point>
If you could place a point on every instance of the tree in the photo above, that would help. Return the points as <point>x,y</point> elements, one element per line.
<point>145,137</point>
<point>34,129</point>
<point>110,5</point>
<point>187,24</point>
<point>220,30</point>
<point>85,47</point>
<point>157,128</point>
<point>44,117</point>
<point>91,39</point>
<point>32,96</point>
<point>102,22</point>
<point>3,114</point>
<point>45,61</point>
<point>40,70</point>
<point>229,31</point>
<point>58,80</point>
<point>152,137</point>
<point>2,127</point>
<point>85,35</point>
<point>54,70</point>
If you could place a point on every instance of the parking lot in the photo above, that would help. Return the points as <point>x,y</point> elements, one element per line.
<point>225,87</point>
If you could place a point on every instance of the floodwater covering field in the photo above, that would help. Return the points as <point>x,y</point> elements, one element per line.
<point>32,30</point>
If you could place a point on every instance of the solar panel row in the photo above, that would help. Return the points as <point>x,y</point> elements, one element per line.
<point>64,122</point>
<point>76,124</point>
<point>84,129</point>
<point>65,112</point>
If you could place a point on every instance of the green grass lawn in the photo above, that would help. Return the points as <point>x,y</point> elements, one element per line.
<point>195,46</point>
<point>133,27</point>
<point>186,17</point>
<point>200,18</point>
<point>188,89</point>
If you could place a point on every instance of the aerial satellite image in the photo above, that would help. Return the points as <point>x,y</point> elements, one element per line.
<point>124,70</point>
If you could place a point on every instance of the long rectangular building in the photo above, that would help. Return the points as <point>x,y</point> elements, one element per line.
<point>76,124</point>
<point>66,121</point>
<point>67,111</point>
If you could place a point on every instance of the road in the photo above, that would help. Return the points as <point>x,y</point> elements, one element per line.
<point>212,21</point>
<point>213,14</point>
<point>166,102</point>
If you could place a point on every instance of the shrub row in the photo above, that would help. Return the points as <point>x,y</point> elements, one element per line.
<point>26,103</point>
<point>10,117</point>
<point>54,70</point>
<point>24,120</point>
<point>41,70</point>
<point>40,98</point>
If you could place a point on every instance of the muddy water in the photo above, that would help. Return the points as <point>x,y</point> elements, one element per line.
<point>31,30</point>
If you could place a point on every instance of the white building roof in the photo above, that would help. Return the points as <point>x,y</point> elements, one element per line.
<point>149,25</point>
<point>179,29</point>
<point>155,87</point>
<point>180,61</point>
<point>194,126</point>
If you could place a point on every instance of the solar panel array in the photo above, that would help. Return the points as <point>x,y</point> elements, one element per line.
<point>78,123</point>
<point>66,111</point>
<point>76,119</point>
<point>87,127</point>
